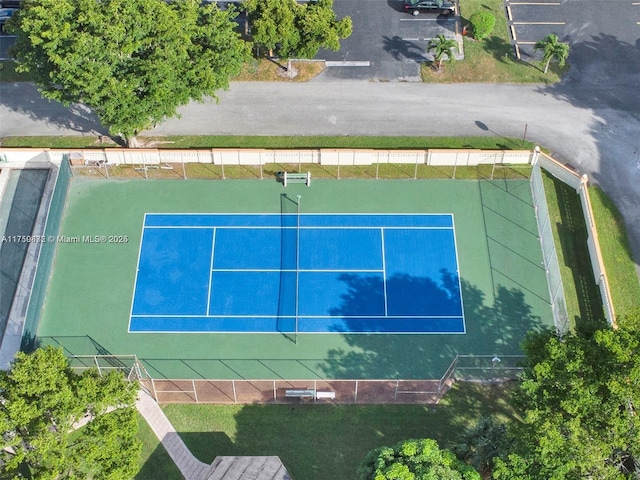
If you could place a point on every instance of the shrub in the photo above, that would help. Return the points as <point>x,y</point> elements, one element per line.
<point>412,459</point>
<point>482,24</point>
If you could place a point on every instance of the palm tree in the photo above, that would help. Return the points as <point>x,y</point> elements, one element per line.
<point>552,48</point>
<point>442,46</point>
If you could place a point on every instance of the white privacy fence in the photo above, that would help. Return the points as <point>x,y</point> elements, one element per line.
<point>256,157</point>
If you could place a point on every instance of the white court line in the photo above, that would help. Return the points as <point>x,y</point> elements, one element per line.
<point>290,270</point>
<point>339,317</point>
<point>213,246</point>
<point>323,227</point>
<point>455,246</point>
<point>135,281</point>
<point>384,273</point>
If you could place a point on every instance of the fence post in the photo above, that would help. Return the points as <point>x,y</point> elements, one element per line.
<point>233,385</point>
<point>195,393</point>
<point>95,360</point>
<point>275,395</point>
<point>155,392</point>
<point>355,400</point>
<point>536,154</point>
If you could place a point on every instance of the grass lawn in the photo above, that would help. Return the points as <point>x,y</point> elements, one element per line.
<point>155,462</point>
<point>570,235</point>
<point>491,60</point>
<point>616,253</point>
<point>324,441</point>
<point>281,142</point>
<point>264,70</point>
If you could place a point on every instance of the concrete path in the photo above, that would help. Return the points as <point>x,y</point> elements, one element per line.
<point>222,468</point>
<point>190,467</point>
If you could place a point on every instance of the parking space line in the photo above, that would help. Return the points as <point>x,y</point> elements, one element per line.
<point>347,64</point>
<point>427,19</point>
<point>539,23</point>
<point>533,3</point>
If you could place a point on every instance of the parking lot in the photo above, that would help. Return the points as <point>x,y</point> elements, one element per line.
<point>387,43</point>
<point>604,36</point>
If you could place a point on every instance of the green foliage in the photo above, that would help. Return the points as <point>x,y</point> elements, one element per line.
<point>414,460</point>
<point>482,23</point>
<point>442,46</point>
<point>42,399</point>
<point>132,61</point>
<point>481,443</point>
<point>552,48</point>
<point>294,29</point>
<point>579,399</point>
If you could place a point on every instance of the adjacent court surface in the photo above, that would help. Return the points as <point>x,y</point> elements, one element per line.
<point>385,279</point>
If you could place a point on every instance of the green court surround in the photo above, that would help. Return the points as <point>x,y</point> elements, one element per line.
<point>89,295</point>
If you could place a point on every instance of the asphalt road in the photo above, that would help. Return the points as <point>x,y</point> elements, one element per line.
<point>593,128</point>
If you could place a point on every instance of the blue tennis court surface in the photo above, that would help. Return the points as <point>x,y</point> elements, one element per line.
<point>309,273</point>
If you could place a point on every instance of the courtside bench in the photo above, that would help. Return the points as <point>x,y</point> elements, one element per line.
<point>288,178</point>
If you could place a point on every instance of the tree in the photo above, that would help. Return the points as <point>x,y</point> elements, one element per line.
<point>481,443</point>
<point>293,29</point>
<point>40,401</point>
<point>552,48</point>
<point>132,61</point>
<point>414,460</point>
<point>441,46</point>
<point>579,401</point>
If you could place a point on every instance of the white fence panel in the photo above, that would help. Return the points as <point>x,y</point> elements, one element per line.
<point>449,157</point>
<point>560,171</point>
<point>291,156</point>
<point>329,157</point>
<point>186,156</point>
<point>20,156</point>
<point>364,157</point>
<point>408,156</point>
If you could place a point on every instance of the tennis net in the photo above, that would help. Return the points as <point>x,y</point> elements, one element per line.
<point>289,266</point>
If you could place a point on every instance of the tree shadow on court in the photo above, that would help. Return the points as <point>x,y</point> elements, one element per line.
<point>491,329</point>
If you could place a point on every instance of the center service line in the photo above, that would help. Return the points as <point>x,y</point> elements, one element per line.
<point>384,273</point>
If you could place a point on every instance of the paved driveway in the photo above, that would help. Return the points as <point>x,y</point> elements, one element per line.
<point>387,43</point>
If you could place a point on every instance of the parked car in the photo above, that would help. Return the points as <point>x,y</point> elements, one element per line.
<point>444,7</point>
<point>5,14</point>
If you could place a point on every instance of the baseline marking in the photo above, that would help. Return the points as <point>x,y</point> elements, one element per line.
<point>135,280</point>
